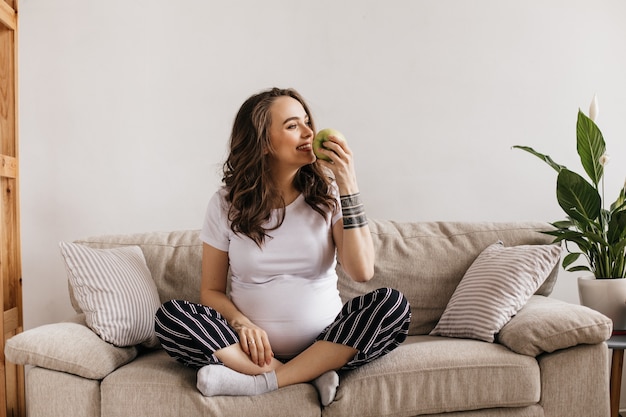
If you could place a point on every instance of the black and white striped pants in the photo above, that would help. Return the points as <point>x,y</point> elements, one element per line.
<point>374,324</point>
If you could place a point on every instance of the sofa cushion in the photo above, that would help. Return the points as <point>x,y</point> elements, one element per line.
<point>429,375</point>
<point>547,325</point>
<point>67,347</point>
<point>51,393</point>
<point>132,390</point>
<point>115,290</point>
<point>575,381</point>
<point>497,284</point>
<point>426,261</point>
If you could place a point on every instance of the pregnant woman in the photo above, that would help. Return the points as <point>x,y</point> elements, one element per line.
<point>280,223</point>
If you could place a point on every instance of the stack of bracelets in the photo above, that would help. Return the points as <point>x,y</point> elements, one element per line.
<point>353,211</point>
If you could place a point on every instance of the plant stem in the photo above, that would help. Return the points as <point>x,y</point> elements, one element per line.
<point>621,265</point>
<point>603,208</point>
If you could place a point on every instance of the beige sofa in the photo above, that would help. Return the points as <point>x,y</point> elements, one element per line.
<point>550,359</point>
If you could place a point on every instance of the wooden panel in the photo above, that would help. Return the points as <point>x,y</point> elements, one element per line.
<point>11,320</point>
<point>8,166</point>
<point>14,375</point>
<point>12,399</point>
<point>8,17</point>
<point>10,265</point>
<point>11,393</point>
<point>7,93</point>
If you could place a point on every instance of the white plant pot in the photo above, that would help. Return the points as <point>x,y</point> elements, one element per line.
<point>608,296</point>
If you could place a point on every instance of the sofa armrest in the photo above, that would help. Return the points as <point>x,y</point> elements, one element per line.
<point>67,347</point>
<point>546,325</point>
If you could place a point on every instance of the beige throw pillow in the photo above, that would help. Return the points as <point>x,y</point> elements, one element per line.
<point>115,290</point>
<point>546,325</point>
<point>67,347</point>
<point>497,284</point>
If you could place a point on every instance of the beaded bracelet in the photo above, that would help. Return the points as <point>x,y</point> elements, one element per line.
<point>353,211</point>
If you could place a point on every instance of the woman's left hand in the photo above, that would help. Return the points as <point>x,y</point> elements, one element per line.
<point>341,163</point>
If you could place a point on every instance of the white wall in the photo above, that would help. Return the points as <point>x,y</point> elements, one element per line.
<point>126,106</point>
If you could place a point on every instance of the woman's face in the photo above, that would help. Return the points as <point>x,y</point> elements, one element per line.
<point>291,135</point>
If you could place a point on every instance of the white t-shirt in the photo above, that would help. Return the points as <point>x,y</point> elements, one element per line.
<point>288,287</point>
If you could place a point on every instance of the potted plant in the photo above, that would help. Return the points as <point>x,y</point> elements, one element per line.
<point>592,230</point>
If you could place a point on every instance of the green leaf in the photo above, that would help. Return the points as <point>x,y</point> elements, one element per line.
<point>590,145</point>
<point>563,224</point>
<point>577,197</point>
<point>567,233</point>
<point>620,202</point>
<point>570,259</point>
<point>619,249</point>
<point>541,156</point>
<point>571,236</point>
<point>579,268</point>
<point>617,228</point>
<point>596,238</point>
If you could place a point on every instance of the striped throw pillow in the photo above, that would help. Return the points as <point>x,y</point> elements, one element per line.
<point>115,290</point>
<point>495,287</point>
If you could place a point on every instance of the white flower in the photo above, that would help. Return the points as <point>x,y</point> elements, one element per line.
<point>594,110</point>
<point>604,159</point>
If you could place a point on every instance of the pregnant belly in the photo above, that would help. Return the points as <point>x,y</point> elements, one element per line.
<point>293,311</point>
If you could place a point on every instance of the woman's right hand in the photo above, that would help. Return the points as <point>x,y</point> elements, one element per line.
<point>254,342</point>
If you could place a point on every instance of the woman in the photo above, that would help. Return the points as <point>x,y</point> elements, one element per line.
<point>280,224</point>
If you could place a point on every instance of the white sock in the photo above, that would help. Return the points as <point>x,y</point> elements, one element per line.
<point>326,385</point>
<point>221,380</point>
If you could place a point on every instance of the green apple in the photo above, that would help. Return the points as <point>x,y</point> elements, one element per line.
<point>321,137</point>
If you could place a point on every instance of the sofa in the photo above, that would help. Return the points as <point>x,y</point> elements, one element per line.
<point>538,357</point>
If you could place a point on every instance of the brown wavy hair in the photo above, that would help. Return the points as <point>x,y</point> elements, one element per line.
<point>252,193</point>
